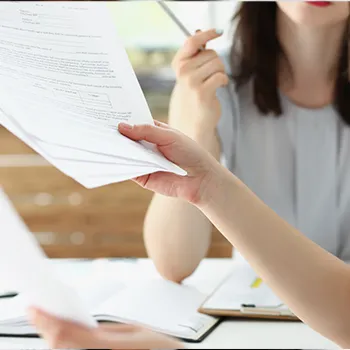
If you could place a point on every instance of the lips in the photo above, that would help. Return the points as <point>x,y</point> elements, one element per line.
<point>320,3</point>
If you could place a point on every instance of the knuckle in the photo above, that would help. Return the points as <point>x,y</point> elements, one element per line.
<point>192,42</point>
<point>145,128</point>
<point>211,53</point>
<point>181,70</point>
<point>61,334</point>
<point>223,78</point>
<point>218,80</point>
<point>55,342</point>
<point>218,62</point>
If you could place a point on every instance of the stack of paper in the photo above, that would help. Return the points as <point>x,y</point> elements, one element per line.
<point>65,84</point>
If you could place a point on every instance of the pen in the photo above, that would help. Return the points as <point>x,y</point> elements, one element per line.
<point>173,17</point>
<point>171,14</point>
<point>8,295</point>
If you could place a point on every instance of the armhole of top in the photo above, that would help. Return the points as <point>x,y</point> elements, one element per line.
<point>228,124</point>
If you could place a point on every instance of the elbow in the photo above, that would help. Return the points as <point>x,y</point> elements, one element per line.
<point>171,273</point>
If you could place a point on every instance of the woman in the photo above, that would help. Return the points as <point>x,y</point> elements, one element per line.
<point>279,253</point>
<point>276,111</point>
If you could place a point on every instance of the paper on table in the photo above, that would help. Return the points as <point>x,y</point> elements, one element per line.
<point>24,267</point>
<point>236,290</point>
<point>68,81</point>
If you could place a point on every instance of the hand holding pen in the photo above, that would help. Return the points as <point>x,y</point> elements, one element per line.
<point>199,73</point>
<point>173,17</point>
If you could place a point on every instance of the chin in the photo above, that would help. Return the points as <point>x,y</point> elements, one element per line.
<point>315,13</point>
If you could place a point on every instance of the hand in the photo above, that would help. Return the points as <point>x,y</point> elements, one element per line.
<point>194,107</point>
<point>184,152</point>
<point>61,334</point>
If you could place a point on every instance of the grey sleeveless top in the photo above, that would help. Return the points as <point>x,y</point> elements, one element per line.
<point>298,164</point>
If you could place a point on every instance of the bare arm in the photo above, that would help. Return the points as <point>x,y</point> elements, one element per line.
<point>177,235</point>
<point>314,283</point>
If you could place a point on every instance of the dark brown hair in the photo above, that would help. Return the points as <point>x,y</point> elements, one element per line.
<point>255,54</point>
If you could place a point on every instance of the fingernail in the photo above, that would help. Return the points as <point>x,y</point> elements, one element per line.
<point>125,126</point>
<point>219,31</point>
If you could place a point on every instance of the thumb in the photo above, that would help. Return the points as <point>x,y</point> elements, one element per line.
<point>150,133</point>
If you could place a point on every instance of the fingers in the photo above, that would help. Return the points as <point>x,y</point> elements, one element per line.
<point>154,134</point>
<point>195,43</point>
<point>196,71</point>
<point>141,338</point>
<point>61,333</point>
<point>185,67</point>
<point>199,31</point>
<point>203,73</point>
<point>118,327</point>
<point>213,82</point>
<point>65,334</point>
<point>161,125</point>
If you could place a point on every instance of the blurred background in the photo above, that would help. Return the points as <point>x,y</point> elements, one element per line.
<point>152,39</point>
<point>71,221</point>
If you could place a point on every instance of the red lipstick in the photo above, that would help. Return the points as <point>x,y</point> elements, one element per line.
<point>320,3</point>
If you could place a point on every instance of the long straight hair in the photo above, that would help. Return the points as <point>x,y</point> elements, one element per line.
<point>256,51</point>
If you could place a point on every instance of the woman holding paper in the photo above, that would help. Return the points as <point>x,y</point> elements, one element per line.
<point>313,283</point>
<point>277,112</point>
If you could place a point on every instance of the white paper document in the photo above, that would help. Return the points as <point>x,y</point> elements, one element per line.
<point>25,269</point>
<point>66,83</point>
<point>157,304</point>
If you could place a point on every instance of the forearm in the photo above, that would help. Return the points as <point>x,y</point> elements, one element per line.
<point>314,284</point>
<point>177,237</point>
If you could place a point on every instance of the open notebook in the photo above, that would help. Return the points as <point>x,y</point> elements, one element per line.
<point>157,304</point>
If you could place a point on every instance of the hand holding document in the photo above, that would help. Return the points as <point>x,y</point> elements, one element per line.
<point>66,83</point>
<point>156,304</point>
<point>25,268</point>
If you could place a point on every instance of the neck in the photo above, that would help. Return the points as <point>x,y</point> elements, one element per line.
<point>313,53</point>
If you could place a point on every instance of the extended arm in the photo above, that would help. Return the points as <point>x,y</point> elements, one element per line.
<point>314,283</point>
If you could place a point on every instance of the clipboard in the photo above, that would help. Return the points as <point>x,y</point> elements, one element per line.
<point>213,306</point>
<point>257,313</point>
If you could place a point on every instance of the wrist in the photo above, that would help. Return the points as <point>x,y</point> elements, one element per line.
<point>205,139</point>
<point>214,187</point>
<point>204,136</point>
